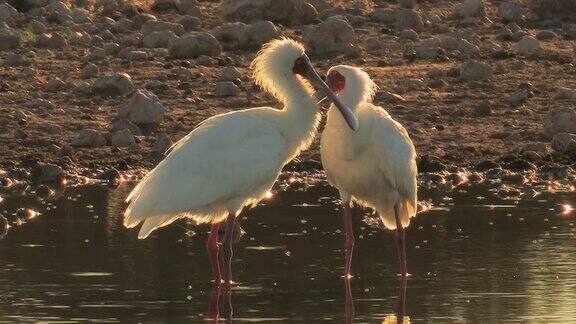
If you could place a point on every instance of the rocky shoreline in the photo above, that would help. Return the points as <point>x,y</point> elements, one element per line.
<point>100,89</point>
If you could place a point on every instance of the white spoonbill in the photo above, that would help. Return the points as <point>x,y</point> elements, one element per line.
<point>375,166</point>
<point>231,160</point>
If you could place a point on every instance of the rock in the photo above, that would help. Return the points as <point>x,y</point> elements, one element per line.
<point>123,138</point>
<point>90,70</point>
<point>538,147</point>
<point>58,7</point>
<point>230,73</point>
<point>331,37</point>
<point>409,19</point>
<point>564,143</point>
<point>140,19</point>
<point>546,35</point>
<point>89,138</point>
<point>13,59</point>
<point>8,14</point>
<point>48,173</point>
<point>486,165</point>
<point>112,175</point>
<point>193,45</point>
<point>470,8</point>
<point>528,46</point>
<point>560,120</point>
<point>427,52</point>
<point>189,7</point>
<point>162,144</point>
<point>9,38</point>
<point>119,124</point>
<point>191,23</point>
<point>468,48</point>
<point>473,70</point>
<point>552,9</point>
<point>384,16</point>
<point>143,108</point>
<point>407,3</point>
<point>517,165</point>
<point>430,163</point>
<point>226,89</point>
<point>54,85</point>
<point>40,103</point>
<point>182,73</point>
<point>510,11</point>
<point>135,56</point>
<point>54,41</point>
<point>565,93</point>
<point>241,36</point>
<point>156,26</point>
<point>205,60</point>
<point>159,39</point>
<point>483,109</point>
<point>111,48</point>
<point>518,98</point>
<point>409,34</point>
<point>37,27</point>
<point>163,5</point>
<point>96,54</point>
<point>114,85</point>
<point>80,16</point>
<point>287,12</point>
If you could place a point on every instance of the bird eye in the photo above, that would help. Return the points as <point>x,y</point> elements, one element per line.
<point>299,66</point>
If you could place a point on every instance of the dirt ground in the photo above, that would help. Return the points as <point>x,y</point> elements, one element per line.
<point>443,120</point>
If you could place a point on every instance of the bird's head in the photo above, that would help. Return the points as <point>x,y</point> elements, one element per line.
<point>284,60</point>
<point>351,84</point>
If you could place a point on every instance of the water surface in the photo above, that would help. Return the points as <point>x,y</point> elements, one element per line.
<point>474,258</point>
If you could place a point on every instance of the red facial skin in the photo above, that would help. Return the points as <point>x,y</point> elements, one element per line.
<point>300,66</point>
<point>336,81</point>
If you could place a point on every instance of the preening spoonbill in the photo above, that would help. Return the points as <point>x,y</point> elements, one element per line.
<point>232,160</point>
<point>375,166</point>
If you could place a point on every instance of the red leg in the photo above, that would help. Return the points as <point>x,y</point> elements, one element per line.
<point>401,303</point>
<point>212,247</point>
<point>227,309</point>
<point>349,302</point>
<point>214,307</point>
<point>400,244</point>
<point>227,252</point>
<point>349,243</point>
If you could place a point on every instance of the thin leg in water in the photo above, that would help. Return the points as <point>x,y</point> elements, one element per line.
<point>349,302</point>
<point>401,303</point>
<point>212,247</point>
<point>214,307</point>
<point>227,252</point>
<point>349,243</point>
<point>227,309</point>
<point>400,244</point>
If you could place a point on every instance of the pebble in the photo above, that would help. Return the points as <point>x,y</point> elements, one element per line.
<point>226,89</point>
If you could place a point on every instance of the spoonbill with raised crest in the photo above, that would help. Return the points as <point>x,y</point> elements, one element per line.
<point>375,166</point>
<point>232,160</point>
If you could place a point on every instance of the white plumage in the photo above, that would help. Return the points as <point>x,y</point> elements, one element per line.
<point>374,166</point>
<point>231,160</point>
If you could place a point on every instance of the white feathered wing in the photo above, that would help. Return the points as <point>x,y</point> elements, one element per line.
<point>396,159</point>
<point>227,162</point>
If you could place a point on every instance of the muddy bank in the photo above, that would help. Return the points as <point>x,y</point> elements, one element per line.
<point>480,86</point>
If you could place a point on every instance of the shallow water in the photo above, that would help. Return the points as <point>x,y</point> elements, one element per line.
<point>474,258</point>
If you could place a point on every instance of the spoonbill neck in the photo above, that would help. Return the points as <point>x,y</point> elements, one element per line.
<point>300,116</point>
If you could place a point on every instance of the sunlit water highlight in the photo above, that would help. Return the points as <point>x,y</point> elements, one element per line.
<point>474,257</point>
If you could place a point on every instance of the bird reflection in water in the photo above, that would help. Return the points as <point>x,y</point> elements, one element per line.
<point>399,315</point>
<point>220,306</point>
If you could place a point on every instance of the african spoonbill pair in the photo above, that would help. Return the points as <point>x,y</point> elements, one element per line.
<point>232,160</point>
